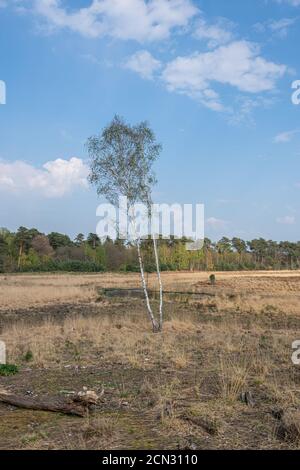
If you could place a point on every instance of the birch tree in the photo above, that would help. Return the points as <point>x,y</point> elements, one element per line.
<point>121,164</point>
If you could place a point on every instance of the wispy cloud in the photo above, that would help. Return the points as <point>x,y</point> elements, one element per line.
<point>216,223</point>
<point>279,28</point>
<point>215,34</point>
<point>285,137</point>
<point>286,220</point>
<point>282,26</point>
<point>293,3</point>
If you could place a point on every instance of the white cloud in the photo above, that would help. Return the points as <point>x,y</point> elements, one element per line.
<point>238,64</point>
<point>279,28</point>
<point>215,34</point>
<point>286,220</point>
<point>141,20</point>
<point>144,64</point>
<point>285,137</point>
<point>55,179</point>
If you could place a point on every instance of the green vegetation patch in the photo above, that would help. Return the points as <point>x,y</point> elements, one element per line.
<point>8,369</point>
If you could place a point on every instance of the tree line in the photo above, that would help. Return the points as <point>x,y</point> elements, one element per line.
<point>29,250</point>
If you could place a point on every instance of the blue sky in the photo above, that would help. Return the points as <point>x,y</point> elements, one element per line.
<point>212,77</point>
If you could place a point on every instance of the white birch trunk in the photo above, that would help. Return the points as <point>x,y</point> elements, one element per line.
<point>160,284</point>
<point>155,325</point>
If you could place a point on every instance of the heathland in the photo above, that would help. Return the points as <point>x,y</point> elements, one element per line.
<point>220,375</point>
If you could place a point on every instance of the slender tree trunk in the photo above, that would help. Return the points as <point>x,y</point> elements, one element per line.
<point>155,325</point>
<point>20,254</point>
<point>159,282</point>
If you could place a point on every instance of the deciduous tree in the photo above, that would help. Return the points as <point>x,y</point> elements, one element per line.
<point>121,161</point>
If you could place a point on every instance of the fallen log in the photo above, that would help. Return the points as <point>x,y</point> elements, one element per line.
<point>68,407</point>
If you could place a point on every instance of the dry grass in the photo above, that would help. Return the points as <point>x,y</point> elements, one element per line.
<point>233,377</point>
<point>235,357</point>
<point>184,384</point>
<point>88,339</point>
<point>263,289</point>
<point>95,433</point>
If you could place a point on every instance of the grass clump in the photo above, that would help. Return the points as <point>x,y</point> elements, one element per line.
<point>28,357</point>
<point>8,369</point>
